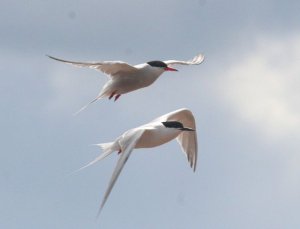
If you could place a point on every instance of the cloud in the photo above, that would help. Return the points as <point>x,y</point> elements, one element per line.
<point>261,88</point>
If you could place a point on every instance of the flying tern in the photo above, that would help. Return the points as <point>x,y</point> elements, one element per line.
<point>124,78</point>
<point>179,124</point>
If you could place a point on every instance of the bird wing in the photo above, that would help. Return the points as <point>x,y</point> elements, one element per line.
<point>187,139</point>
<point>128,141</point>
<point>196,60</point>
<point>111,68</point>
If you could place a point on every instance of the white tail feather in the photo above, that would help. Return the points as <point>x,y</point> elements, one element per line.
<point>107,148</point>
<point>85,106</point>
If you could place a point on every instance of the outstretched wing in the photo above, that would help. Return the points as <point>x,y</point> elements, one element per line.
<point>187,139</point>
<point>127,142</point>
<point>111,68</point>
<point>196,60</point>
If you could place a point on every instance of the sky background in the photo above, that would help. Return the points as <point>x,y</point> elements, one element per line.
<point>245,98</point>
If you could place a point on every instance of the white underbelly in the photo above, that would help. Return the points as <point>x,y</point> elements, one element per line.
<point>125,84</point>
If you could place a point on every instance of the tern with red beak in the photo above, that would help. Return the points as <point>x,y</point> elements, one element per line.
<point>124,78</point>
<point>179,124</point>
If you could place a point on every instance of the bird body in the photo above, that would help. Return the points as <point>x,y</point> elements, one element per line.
<point>144,76</point>
<point>124,78</point>
<point>179,124</point>
<point>155,135</point>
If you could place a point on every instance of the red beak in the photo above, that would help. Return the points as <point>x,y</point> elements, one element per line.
<point>170,69</point>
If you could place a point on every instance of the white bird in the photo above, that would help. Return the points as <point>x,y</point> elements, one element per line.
<point>124,78</point>
<point>179,124</point>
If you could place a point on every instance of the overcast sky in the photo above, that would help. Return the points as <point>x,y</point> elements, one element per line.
<point>245,98</point>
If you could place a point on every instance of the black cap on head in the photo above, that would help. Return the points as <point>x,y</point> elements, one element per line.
<point>157,63</point>
<point>173,124</point>
<point>176,125</point>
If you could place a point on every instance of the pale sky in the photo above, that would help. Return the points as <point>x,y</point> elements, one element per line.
<point>245,98</point>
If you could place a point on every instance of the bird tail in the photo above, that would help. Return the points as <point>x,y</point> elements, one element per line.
<point>107,149</point>
<point>85,106</point>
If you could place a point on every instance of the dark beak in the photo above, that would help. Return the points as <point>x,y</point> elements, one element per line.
<point>170,69</point>
<point>186,129</point>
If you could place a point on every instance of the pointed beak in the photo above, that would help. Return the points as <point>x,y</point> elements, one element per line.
<point>170,69</point>
<point>187,129</point>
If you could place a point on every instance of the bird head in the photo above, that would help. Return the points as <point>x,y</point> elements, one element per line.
<point>176,125</point>
<point>161,64</point>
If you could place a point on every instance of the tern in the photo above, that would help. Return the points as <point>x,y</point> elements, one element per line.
<point>124,78</point>
<point>179,124</point>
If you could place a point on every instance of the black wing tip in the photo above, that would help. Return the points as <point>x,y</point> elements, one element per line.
<point>51,57</point>
<point>55,58</point>
<point>193,163</point>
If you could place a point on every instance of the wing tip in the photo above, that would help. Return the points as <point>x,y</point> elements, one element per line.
<point>199,58</point>
<point>100,210</point>
<point>54,58</point>
<point>194,166</point>
<point>49,56</point>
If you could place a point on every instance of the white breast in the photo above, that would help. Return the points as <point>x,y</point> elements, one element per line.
<point>147,74</point>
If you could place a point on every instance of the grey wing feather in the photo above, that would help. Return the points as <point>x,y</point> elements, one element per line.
<point>189,145</point>
<point>111,68</point>
<point>127,142</point>
<point>196,60</point>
